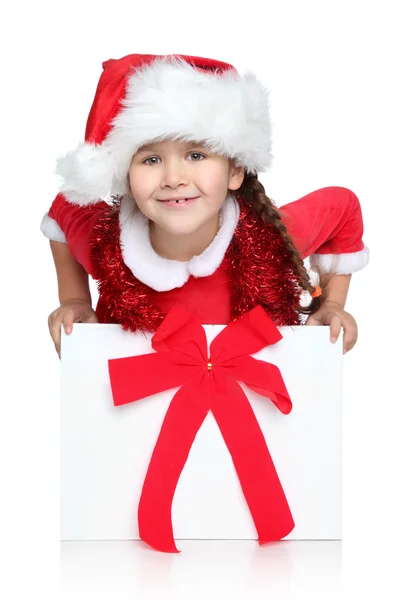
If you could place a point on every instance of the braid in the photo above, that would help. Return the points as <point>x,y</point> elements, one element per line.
<point>253,193</point>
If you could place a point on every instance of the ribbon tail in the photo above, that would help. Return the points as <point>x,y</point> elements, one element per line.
<point>253,463</point>
<point>183,419</point>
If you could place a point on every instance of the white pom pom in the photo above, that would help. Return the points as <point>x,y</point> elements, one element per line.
<point>88,174</point>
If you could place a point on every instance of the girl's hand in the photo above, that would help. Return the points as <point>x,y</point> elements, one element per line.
<point>332,314</point>
<point>73,311</point>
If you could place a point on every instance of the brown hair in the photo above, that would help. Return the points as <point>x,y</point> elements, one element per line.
<point>252,192</point>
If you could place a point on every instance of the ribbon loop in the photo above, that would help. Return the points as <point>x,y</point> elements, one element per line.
<point>136,377</point>
<point>181,331</point>
<point>248,334</point>
<point>261,377</point>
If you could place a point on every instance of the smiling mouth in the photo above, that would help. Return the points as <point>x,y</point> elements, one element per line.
<point>178,200</point>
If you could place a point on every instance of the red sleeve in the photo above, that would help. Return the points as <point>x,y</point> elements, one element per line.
<point>76,222</point>
<point>327,226</point>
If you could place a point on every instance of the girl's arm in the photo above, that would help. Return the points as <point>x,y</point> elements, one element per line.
<point>69,227</point>
<point>74,294</point>
<point>73,279</point>
<point>337,289</point>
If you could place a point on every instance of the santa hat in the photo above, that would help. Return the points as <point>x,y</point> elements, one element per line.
<point>146,98</point>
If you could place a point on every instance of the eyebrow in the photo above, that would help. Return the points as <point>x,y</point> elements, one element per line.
<point>146,148</point>
<point>150,147</point>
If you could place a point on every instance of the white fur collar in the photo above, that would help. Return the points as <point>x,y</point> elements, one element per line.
<point>162,274</point>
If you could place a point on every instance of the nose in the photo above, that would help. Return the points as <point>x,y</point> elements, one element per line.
<point>174,173</point>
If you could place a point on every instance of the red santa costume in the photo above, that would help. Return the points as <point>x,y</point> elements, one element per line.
<point>142,99</point>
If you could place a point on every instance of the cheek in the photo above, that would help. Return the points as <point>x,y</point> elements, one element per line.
<point>141,184</point>
<point>216,185</point>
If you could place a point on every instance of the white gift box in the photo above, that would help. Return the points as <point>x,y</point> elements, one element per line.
<point>106,449</point>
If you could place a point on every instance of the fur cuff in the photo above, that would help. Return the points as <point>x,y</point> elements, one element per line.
<point>51,229</point>
<point>344,264</point>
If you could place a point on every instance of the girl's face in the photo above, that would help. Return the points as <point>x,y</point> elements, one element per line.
<point>180,186</point>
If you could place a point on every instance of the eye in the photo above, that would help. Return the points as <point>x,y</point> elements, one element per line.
<point>197,155</point>
<point>145,162</point>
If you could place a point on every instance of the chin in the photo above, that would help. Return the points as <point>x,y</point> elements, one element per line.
<point>182,229</point>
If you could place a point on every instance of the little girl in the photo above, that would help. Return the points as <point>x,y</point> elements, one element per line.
<point>162,206</point>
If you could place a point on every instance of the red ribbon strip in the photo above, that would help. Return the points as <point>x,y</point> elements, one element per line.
<point>207,383</point>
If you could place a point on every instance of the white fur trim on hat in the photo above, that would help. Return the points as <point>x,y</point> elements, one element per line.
<point>51,229</point>
<point>344,264</point>
<point>162,274</point>
<point>170,99</point>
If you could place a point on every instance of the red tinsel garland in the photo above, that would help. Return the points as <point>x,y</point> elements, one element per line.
<point>261,271</point>
<point>258,262</point>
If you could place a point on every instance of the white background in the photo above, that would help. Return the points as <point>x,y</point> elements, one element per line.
<point>333,70</point>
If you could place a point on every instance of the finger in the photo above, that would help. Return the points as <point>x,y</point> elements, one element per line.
<point>311,320</point>
<point>69,318</point>
<point>55,332</point>
<point>350,337</point>
<point>92,318</point>
<point>335,326</point>
<point>68,322</point>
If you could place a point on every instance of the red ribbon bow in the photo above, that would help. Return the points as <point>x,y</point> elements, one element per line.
<point>208,383</point>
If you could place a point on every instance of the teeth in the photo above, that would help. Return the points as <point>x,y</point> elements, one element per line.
<point>180,201</point>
